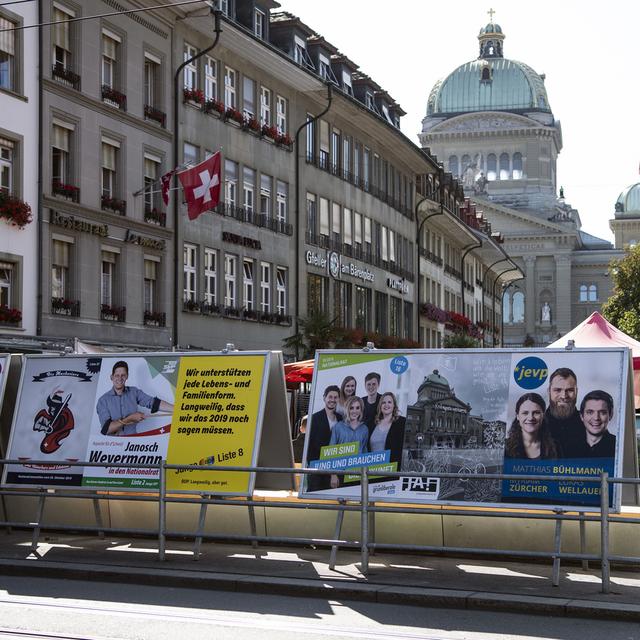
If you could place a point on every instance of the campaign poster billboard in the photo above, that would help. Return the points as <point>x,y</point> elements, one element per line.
<point>135,410</point>
<point>526,412</point>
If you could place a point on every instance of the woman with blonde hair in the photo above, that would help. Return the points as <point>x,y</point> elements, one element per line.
<point>388,432</point>
<point>350,429</point>
<point>347,390</point>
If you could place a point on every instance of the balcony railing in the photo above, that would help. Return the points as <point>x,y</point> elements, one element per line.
<point>65,307</point>
<point>151,113</point>
<point>257,219</point>
<point>66,76</point>
<point>68,191</point>
<point>114,97</point>
<point>113,314</point>
<point>114,204</point>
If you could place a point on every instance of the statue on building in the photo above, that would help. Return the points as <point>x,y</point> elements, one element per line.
<point>469,177</point>
<point>480,186</point>
<point>545,313</point>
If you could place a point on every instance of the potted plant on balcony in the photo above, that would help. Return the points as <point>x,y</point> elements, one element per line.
<point>251,124</point>
<point>156,217</point>
<point>62,306</point>
<point>154,318</point>
<point>269,131</point>
<point>116,314</point>
<point>111,94</point>
<point>191,306</point>
<point>8,315</point>
<point>14,211</point>
<point>284,140</point>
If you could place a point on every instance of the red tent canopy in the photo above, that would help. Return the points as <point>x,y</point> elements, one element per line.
<point>297,372</point>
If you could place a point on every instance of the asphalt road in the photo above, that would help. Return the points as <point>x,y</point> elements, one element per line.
<point>51,608</point>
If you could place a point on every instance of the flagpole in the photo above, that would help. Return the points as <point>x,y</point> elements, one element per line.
<point>176,204</point>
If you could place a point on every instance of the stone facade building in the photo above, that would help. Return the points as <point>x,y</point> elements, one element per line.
<point>491,124</point>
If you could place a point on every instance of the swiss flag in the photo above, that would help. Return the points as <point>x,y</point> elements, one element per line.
<point>165,181</point>
<point>201,186</point>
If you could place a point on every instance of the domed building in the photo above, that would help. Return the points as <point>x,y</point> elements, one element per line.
<point>626,223</point>
<point>491,124</point>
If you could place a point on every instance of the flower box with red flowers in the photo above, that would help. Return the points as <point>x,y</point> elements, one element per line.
<point>252,125</point>
<point>234,115</point>
<point>151,113</point>
<point>9,315</point>
<point>191,305</point>
<point>114,314</point>
<point>269,131</point>
<point>14,211</point>
<point>193,95</point>
<point>66,190</point>
<point>154,318</point>
<point>110,94</point>
<point>65,307</point>
<point>214,106</point>
<point>156,217</point>
<point>284,139</point>
<point>114,204</point>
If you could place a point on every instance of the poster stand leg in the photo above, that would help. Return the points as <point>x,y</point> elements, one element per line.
<point>555,575</point>
<point>583,542</point>
<point>372,529</point>
<point>5,514</point>
<point>98,514</point>
<point>38,522</point>
<point>201,520</point>
<point>336,535</point>
<point>252,525</point>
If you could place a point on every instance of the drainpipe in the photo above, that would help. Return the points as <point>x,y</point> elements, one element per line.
<point>466,250</point>
<point>305,124</point>
<point>40,229</point>
<point>176,205</point>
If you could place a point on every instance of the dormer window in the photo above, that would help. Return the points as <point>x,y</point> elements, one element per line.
<point>224,6</point>
<point>300,50</point>
<point>385,113</point>
<point>486,74</point>
<point>346,83</point>
<point>259,20</point>
<point>324,70</point>
<point>369,101</point>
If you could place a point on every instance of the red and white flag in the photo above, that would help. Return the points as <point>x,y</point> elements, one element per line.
<point>165,181</point>
<point>201,186</point>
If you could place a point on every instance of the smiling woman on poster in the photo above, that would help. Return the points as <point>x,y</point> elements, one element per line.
<point>529,437</point>
<point>388,432</point>
<point>118,408</point>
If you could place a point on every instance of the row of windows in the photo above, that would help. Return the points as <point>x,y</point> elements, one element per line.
<point>335,226</point>
<point>504,167</point>
<point>514,304</point>
<point>356,306</point>
<point>336,151</point>
<point>259,285</point>
<point>236,91</point>
<point>111,278</point>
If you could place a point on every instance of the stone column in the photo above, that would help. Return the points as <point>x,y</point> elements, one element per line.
<point>530,303</point>
<point>561,315</point>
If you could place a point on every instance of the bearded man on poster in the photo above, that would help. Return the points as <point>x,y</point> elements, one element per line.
<point>562,415</point>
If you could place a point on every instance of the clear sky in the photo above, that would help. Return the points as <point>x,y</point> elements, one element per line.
<point>590,53</point>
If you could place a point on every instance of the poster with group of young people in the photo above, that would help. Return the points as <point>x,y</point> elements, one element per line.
<point>523,413</point>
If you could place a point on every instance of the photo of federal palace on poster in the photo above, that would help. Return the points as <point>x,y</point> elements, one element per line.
<point>530,413</point>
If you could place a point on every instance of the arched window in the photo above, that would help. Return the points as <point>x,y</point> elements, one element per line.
<point>583,293</point>
<point>505,174</point>
<point>453,165</point>
<point>506,307</point>
<point>492,167</point>
<point>593,293</point>
<point>518,174</point>
<point>486,74</point>
<point>518,307</point>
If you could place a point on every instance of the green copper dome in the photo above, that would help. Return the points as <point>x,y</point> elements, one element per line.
<point>490,83</point>
<point>628,201</point>
<point>436,378</point>
<point>495,84</point>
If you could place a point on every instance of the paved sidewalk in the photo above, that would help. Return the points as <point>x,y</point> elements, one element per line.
<point>423,580</point>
